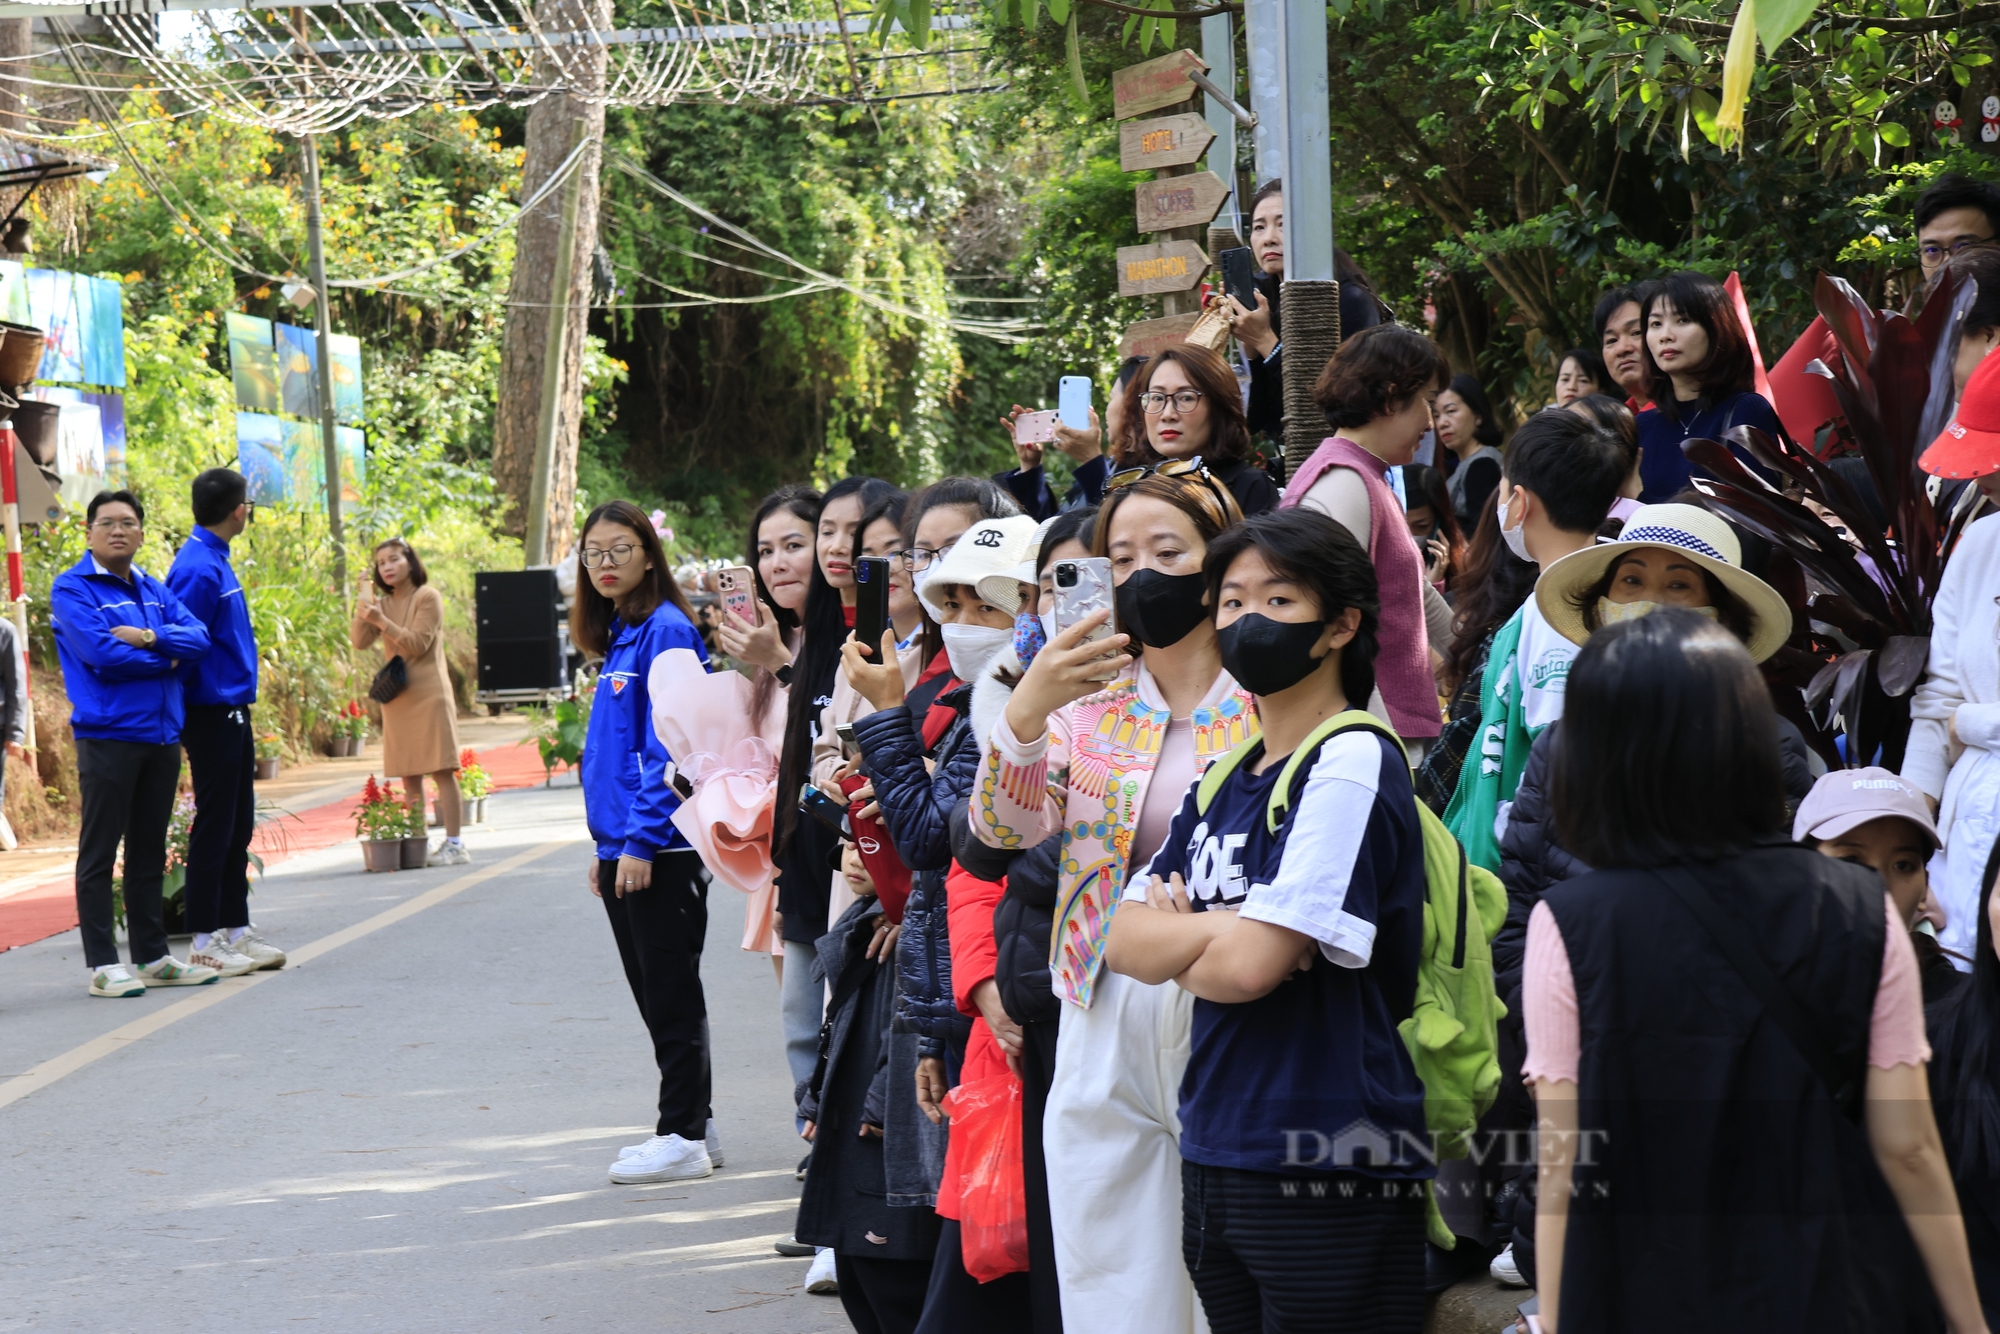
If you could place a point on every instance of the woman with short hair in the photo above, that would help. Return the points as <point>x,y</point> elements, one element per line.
<point>420,724</point>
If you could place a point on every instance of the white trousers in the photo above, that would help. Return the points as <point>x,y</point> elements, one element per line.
<point>1112,1134</point>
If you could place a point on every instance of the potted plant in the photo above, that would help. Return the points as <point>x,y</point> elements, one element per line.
<point>473,785</point>
<point>173,909</point>
<point>270,746</point>
<point>347,729</point>
<point>416,842</point>
<point>380,824</point>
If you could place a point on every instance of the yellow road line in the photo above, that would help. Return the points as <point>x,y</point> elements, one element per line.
<point>199,999</point>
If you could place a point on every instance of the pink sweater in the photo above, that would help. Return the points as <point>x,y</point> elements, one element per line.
<point>1403,662</point>
<point>1555,1048</point>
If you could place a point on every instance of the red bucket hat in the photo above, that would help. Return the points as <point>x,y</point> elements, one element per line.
<point>1969,446</point>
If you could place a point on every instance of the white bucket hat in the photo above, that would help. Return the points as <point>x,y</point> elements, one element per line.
<point>1707,542</point>
<point>989,550</point>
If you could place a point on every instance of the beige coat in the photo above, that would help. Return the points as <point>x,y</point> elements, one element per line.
<point>419,726</point>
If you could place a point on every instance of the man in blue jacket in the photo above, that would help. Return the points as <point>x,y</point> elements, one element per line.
<point>221,746</point>
<point>121,636</point>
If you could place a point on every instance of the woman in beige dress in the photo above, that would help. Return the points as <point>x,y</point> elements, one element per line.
<point>419,726</point>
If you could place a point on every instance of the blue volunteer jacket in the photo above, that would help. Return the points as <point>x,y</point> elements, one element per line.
<point>117,691</point>
<point>202,579</point>
<point>626,800</point>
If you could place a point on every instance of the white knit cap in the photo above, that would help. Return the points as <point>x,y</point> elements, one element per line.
<point>989,549</point>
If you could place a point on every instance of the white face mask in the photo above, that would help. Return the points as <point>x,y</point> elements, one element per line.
<point>973,647</point>
<point>1516,537</point>
<point>1048,626</point>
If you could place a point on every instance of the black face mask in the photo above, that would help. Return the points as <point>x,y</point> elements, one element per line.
<point>1267,656</point>
<point>1160,610</point>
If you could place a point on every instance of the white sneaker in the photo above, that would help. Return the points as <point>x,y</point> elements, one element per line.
<point>222,957</point>
<point>115,980</point>
<point>260,950</point>
<point>448,853</point>
<point>712,1142</point>
<point>1504,1271</point>
<point>167,971</point>
<point>821,1279</point>
<point>665,1158</point>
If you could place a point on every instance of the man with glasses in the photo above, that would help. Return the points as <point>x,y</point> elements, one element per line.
<point>221,745</point>
<point>121,636</point>
<point>1955,214</point>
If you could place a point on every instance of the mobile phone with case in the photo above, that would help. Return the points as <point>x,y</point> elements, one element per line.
<point>1035,428</point>
<point>1083,586</point>
<point>1073,401</point>
<point>871,602</point>
<point>737,587</point>
<point>1239,269</point>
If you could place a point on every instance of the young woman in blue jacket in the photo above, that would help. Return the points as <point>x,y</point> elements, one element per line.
<point>629,610</point>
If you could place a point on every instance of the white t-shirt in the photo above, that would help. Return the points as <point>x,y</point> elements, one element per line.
<point>1541,666</point>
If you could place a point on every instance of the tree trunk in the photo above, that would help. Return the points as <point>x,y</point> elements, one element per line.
<point>555,125</point>
<point>16,45</point>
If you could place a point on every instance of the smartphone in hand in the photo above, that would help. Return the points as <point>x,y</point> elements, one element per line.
<point>1083,586</point>
<point>1239,271</point>
<point>736,585</point>
<point>1073,402</point>
<point>1035,428</point>
<point>871,602</point>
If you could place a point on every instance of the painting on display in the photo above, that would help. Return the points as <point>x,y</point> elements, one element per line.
<point>53,308</point>
<point>260,455</point>
<point>305,462</point>
<point>104,331</point>
<point>253,363</point>
<point>298,370</point>
<point>345,350</point>
<point>111,411</point>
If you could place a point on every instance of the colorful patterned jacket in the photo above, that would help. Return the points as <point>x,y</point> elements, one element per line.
<point>1087,776</point>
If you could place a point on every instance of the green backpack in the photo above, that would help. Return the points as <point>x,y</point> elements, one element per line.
<point>1452,1031</point>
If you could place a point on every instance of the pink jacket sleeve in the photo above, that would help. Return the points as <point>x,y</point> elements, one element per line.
<point>1018,797</point>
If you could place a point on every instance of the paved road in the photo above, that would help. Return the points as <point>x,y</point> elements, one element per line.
<point>407,1131</point>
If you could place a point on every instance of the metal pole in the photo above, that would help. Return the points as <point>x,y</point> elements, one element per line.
<point>1218,48</point>
<point>1264,50</point>
<point>1308,141</point>
<point>17,593</point>
<point>535,549</point>
<point>323,307</point>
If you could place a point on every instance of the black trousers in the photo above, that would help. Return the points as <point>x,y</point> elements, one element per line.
<point>1038,1072</point>
<point>1277,1255</point>
<point>660,930</point>
<point>222,759</point>
<point>128,794</point>
<point>958,1303</point>
<point>882,1296</point>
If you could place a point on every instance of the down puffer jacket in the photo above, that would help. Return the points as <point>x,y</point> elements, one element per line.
<point>918,808</point>
<point>1022,922</point>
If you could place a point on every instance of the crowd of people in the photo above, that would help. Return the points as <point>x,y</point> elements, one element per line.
<point>155,668</point>
<point>1341,882</point>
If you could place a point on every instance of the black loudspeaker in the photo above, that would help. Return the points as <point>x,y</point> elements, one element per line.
<point>522,644</point>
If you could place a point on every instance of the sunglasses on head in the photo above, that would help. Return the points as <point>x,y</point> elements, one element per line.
<point>1164,468</point>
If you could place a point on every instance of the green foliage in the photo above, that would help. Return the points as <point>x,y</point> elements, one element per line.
<point>559,732</point>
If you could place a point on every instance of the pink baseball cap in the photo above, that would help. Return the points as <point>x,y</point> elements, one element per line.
<point>1845,799</point>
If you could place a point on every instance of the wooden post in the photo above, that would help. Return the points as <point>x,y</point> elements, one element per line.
<point>17,592</point>
<point>535,549</point>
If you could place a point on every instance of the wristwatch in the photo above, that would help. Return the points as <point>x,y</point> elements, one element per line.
<point>784,675</point>
<point>151,638</point>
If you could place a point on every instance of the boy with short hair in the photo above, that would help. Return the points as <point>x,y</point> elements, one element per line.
<point>1558,479</point>
<point>1876,819</point>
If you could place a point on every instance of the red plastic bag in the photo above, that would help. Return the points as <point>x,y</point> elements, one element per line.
<point>992,1193</point>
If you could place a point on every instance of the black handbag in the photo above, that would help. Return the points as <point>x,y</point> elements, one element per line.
<point>391,681</point>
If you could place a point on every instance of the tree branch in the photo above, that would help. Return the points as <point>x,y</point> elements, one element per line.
<point>1971,15</point>
<point>1224,8</point>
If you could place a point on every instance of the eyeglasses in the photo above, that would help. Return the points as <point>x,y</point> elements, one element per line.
<point>1164,468</point>
<point>921,558</point>
<point>594,557</point>
<point>1155,402</point>
<point>1935,254</point>
<point>116,525</point>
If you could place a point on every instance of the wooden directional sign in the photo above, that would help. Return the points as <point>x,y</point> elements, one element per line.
<point>1148,337</point>
<point>1180,201</point>
<point>1170,141</point>
<point>1171,266</point>
<point>1137,89</point>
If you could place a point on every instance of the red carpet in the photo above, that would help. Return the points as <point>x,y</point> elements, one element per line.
<point>50,909</point>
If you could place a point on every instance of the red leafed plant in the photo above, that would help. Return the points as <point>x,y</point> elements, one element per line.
<point>1892,377</point>
<point>381,813</point>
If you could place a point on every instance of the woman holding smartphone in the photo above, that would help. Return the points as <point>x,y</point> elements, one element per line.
<point>1096,746</point>
<point>629,610</point>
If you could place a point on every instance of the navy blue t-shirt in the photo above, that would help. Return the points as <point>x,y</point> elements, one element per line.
<point>1312,1078</point>
<point>1663,470</point>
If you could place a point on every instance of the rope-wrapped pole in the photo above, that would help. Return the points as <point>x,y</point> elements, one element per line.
<point>1310,309</point>
<point>17,591</point>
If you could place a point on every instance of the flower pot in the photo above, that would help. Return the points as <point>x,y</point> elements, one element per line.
<point>267,768</point>
<point>354,745</point>
<point>382,854</point>
<point>20,354</point>
<point>475,810</point>
<point>416,851</point>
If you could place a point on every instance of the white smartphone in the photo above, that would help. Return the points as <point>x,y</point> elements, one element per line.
<point>1073,401</point>
<point>1035,428</point>
<point>1083,586</point>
